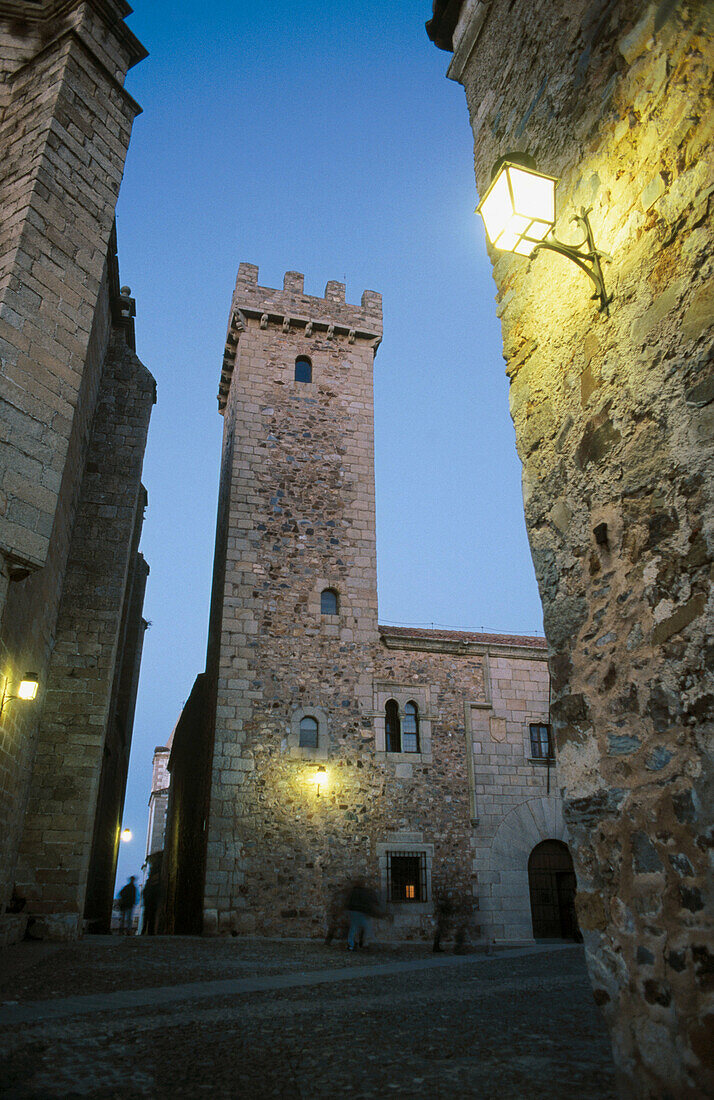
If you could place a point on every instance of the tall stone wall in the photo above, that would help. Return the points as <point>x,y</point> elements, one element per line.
<point>59,820</point>
<point>65,123</point>
<point>615,425</point>
<point>300,519</point>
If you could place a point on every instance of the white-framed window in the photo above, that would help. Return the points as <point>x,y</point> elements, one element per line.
<point>308,738</point>
<point>402,722</point>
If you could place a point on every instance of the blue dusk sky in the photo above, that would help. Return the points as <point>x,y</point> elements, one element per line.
<point>322,138</point>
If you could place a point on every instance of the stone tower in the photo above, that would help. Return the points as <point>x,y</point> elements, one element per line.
<point>296,521</point>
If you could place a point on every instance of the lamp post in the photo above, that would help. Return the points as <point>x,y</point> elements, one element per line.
<point>518,211</point>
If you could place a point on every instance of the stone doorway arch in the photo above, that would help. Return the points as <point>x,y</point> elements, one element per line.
<point>552,888</point>
<point>502,868</point>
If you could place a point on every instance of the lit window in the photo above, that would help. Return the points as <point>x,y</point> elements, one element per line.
<point>303,369</point>
<point>406,876</point>
<point>329,603</point>
<point>308,732</point>
<point>541,741</point>
<point>410,728</point>
<point>392,726</point>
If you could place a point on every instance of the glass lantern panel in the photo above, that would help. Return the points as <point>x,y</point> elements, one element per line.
<point>496,208</point>
<point>533,196</point>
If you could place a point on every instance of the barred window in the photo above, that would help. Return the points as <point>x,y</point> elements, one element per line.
<point>410,728</point>
<point>308,732</point>
<point>541,741</point>
<point>406,876</point>
<point>392,726</point>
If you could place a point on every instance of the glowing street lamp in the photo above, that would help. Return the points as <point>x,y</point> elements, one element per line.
<point>27,690</point>
<point>518,211</point>
<point>319,778</point>
<point>126,835</point>
<point>28,687</point>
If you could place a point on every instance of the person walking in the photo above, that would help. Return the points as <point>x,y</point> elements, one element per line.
<point>361,905</point>
<point>127,901</point>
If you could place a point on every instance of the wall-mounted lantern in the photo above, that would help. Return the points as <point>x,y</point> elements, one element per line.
<point>125,835</point>
<point>319,778</point>
<point>518,210</point>
<point>27,690</point>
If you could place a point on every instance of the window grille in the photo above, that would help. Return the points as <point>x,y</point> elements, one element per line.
<point>541,741</point>
<point>308,733</point>
<point>406,876</point>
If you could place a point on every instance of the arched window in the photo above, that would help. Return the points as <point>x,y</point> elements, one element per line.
<point>392,726</point>
<point>308,732</point>
<point>410,728</point>
<point>329,602</point>
<point>303,369</point>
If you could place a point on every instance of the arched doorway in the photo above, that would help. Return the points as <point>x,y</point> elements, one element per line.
<point>552,886</point>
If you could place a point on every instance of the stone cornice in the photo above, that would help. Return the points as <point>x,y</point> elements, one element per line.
<point>71,34</point>
<point>465,648</point>
<point>468,36</point>
<point>286,322</point>
<point>112,12</point>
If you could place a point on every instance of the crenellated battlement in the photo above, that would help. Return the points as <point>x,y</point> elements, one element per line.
<point>291,310</point>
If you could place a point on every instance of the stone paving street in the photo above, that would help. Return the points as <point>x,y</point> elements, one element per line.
<point>182,1017</point>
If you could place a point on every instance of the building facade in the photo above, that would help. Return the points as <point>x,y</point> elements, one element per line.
<point>75,403</point>
<point>614,419</point>
<point>319,745</point>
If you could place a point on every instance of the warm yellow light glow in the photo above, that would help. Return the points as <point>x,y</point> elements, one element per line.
<point>410,891</point>
<point>28,688</point>
<point>126,835</point>
<point>320,777</point>
<point>518,209</point>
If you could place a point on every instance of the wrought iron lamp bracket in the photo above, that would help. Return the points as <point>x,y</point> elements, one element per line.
<point>585,255</point>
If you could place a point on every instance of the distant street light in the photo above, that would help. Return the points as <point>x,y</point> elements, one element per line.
<point>125,835</point>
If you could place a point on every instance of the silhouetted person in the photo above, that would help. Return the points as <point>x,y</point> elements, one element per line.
<point>362,904</point>
<point>444,915</point>
<point>151,895</point>
<point>127,901</point>
<point>337,914</point>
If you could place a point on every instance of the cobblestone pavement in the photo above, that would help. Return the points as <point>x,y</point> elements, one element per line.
<point>187,1017</point>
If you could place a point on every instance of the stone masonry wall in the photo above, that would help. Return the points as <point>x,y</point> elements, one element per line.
<point>300,519</point>
<point>31,609</point>
<point>56,842</point>
<point>64,129</point>
<point>614,419</point>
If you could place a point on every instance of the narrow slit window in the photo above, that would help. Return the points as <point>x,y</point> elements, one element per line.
<point>303,369</point>
<point>392,726</point>
<point>308,732</point>
<point>329,602</point>
<point>410,728</point>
